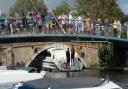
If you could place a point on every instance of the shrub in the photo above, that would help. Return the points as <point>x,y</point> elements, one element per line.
<point>124,34</point>
<point>105,54</point>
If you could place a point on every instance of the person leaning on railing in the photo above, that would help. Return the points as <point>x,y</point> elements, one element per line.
<point>53,26</point>
<point>88,24</point>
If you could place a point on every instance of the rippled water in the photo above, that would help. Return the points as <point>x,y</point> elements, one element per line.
<point>7,86</point>
<point>118,77</point>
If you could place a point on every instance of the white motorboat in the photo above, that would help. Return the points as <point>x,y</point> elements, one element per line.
<point>54,58</point>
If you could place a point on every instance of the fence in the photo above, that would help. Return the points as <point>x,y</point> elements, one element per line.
<point>66,26</point>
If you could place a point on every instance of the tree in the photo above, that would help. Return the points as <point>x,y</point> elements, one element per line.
<point>23,6</point>
<point>125,18</point>
<point>105,54</point>
<point>99,8</point>
<point>63,8</point>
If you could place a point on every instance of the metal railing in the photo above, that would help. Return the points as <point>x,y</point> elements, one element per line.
<point>66,26</point>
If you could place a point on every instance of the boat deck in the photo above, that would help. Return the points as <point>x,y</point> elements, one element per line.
<point>64,83</point>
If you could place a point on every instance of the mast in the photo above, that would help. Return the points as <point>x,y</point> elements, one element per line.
<point>34,5</point>
<point>54,16</point>
<point>51,13</point>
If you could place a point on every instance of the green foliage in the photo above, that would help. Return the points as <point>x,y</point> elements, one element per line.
<point>63,8</point>
<point>105,54</point>
<point>124,34</point>
<point>22,6</point>
<point>99,8</point>
<point>124,19</point>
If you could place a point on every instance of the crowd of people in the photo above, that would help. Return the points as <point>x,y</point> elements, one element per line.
<point>21,23</point>
<point>80,24</point>
<point>37,22</point>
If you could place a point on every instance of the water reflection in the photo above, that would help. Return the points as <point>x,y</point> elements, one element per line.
<point>119,77</point>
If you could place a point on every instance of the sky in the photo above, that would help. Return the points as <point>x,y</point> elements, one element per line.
<point>124,5</point>
<point>6,4</point>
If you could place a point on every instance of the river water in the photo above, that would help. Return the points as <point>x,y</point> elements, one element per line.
<point>118,77</point>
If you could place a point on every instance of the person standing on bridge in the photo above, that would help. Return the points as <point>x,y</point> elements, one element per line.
<point>38,21</point>
<point>17,23</point>
<point>24,22</point>
<point>79,24</point>
<point>115,30</point>
<point>70,23</point>
<point>63,22</point>
<point>11,24</point>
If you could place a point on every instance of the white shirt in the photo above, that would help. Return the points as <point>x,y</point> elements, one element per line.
<point>70,19</point>
<point>79,19</point>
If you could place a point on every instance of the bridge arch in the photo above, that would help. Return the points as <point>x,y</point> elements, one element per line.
<point>59,58</point>
<point>43,51</point>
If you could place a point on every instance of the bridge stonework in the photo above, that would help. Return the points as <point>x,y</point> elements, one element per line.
<point>21,53</point>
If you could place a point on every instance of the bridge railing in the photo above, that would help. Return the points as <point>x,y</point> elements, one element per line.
<point>66,26</point>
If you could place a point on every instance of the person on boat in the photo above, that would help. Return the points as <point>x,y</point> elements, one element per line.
<point>72,55</point>
<point>68,57</point>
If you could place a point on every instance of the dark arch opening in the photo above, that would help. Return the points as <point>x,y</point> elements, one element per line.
<point>37,62</point>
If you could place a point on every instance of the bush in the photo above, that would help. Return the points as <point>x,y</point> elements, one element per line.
<point>124,34</point>
<point>105,54</point>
